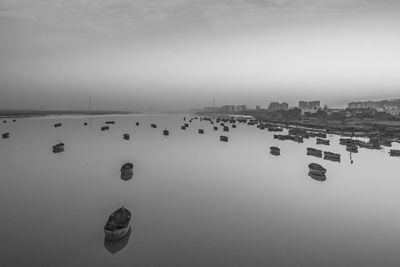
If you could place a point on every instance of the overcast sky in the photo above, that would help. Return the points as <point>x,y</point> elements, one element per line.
<point>176,54</point>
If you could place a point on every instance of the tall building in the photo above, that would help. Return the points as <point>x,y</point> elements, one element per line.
<point>228,108</point>
<point>310,106</point>
<point>274,106</point>
<point>240,108</point>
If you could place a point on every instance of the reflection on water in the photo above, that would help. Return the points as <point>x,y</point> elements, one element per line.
<point>317,177</point>
<point>115,246</point>
<point>197,201</point>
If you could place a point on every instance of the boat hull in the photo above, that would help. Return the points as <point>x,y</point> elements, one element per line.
<point>116,234</point>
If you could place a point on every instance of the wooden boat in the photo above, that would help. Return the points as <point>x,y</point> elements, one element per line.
<point>137,123</point>
<point>223,138</point>
<point>346,141</point>
<point>58,148</point>
<point>117,225</point>
<point>201,131</point>
<point>331,156</point>
<point>275,150</point>
<point>57,125</point>
<point>110,122</point>
<point>317,177</point>
<point>183,127</point>
<point>316,169</point>
<point>105,128</point>
<point>4,121</point>
<point>126,136</point>
<point>165,132</point>
<point>5,135</point>
<point>127,168</point>
<point>215,128</point>
<point>274,129</point>
<point>117,245</point>
<point>226,129</point>
<point>153,125</point>
<point>352,148</point>
<point>85,123</point>
<point>14,120</point>
<point>394,153</point>
<point>321,141</point>
<point>314,152</point>
<point>233,126</point>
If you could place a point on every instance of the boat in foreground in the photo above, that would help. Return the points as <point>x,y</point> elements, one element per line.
<point>316,169</point>
<point>117,225</point>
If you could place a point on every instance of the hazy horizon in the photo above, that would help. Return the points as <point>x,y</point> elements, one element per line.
<point>180,54</point>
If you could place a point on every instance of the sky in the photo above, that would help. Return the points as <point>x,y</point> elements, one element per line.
<point>180,54</point>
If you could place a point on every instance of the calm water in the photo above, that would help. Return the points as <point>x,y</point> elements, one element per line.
<point>195,200</point>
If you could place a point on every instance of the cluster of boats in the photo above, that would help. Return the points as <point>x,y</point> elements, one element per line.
<point>317,172</point>
<point>327,155</point>
<point>5,135</point>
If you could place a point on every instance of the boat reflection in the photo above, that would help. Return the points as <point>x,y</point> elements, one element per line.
<point>115,246</point>
<point>317,177</point>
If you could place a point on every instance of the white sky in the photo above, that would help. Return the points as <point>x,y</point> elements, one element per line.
<point>178,54</point>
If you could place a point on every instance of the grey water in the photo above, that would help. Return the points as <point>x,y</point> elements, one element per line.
<point>195,201</point>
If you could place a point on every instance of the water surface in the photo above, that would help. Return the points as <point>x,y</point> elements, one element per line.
<point>195,201</point>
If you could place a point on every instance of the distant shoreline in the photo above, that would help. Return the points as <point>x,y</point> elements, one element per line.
<point>44,113</point>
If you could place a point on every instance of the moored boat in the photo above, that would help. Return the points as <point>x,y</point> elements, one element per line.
<point>153,125</point>
<point>321,141</point>
<point>215,128</point>
<point>165,132</point>
<point>105,128</point>
<point>394,153</point>
<point>226,129</point>
<point>223,138</point>
<point>137,123</point>
<point>201,131</point>
<point>352,148</point>
<point>331,156</point>
<point>117,225</point>
<point>117,245</point>
<point>316,169</point>
<point>126,136</point>
<point>58,148</point>
<point>5,135</point>
<point>110,122</point>
<point>275,150</point>
<point>57,125</point>
<point>314,152</point>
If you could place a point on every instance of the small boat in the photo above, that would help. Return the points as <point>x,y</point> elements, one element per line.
<point>274,129</point>
<point>316,169</point>
<point>165,132</point>
<point>153,125</point>
<point>317,177</point>
<point>105,128</point>
<point>233,125</point>
<point>58,148</point>
<point>201,131</point>
<point>352,148</point>
<point>223,138</point>
<point>117,225</point>
<point>275,150</point>
<point>331,156</point>
<point>226,129</point>
<point>126,136</point>
<point>321,141</point>
<point>14,120</point>
<point>394,153</point>
<point>346,141</point>
<point>184,118</point>
<point>314,152</point>
<point>215,128</point>
<point>110,122</point>
<point>4,121</point>
<point>85,123</point>
<point>117,245</point>
<point>5,135</point>
<point>57,125</point>
<point>183,127</point>
<point>127,171</point>
<point>137,124</point>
